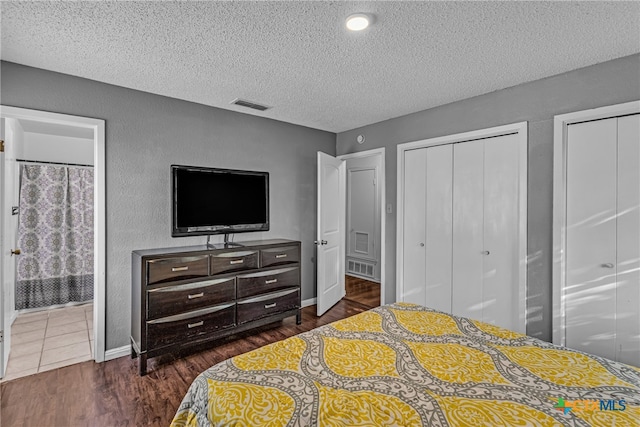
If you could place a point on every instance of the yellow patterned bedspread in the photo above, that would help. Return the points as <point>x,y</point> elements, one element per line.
<point>406,365</point>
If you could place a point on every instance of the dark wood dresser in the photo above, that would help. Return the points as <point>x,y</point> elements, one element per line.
<point>182,297</point>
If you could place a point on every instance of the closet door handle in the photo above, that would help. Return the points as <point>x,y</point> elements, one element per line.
<point>485,252</point>
<point>608,265</point>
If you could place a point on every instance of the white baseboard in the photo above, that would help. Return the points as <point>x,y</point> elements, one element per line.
<point>114,353</point>
<point>308,302</point>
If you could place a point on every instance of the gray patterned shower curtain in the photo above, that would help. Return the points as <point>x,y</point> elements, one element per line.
<point>55,234</point>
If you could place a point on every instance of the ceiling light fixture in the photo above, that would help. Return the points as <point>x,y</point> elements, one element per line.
<point>357,22</point>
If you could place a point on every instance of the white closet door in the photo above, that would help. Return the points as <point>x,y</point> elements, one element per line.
<point>414,236</point>
<point>468,219</point>
<point>628,241</point>
<point>590,297</point>
<point>439,227</point>
<point>501,232</point>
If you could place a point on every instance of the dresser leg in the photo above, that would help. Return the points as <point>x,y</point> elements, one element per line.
<point>142,364</point>
<point>299,317</point>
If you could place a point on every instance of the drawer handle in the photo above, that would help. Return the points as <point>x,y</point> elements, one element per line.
<point>193,296</point>
<point>268,282</point>
<point>281,256</point>
<point>236,261</point>
<point>185,268</point>
<point>195,325</point>
<point>270,305</point>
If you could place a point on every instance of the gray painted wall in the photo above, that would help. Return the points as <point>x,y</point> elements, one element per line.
<point>537,102</point>
<point>146,133</point>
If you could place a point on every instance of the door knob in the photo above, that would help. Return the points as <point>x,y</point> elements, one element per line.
<point>15,252</point>
<point>608,265</point>
<point>321,242</point>
<point>485,252</point>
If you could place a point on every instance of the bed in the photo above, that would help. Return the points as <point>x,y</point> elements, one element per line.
<point>407,365</point>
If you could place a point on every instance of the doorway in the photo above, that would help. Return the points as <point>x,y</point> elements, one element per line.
<point>71,147</point>
<point>364,214</point>
<point>332,238</point>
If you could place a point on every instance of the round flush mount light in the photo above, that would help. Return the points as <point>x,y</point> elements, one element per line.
<point>357,22</point>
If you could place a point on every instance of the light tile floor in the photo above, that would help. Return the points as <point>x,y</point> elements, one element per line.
<point>51,339</point>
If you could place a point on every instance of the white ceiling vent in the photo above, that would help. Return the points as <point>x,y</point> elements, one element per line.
<point>249,104</point>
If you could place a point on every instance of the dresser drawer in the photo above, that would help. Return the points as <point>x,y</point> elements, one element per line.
<point>167,269</point>
<point>233,261</point>
<point>267,281</point>
<point>178,299</point>
<point>266,305</point>
<point>188,327</point>
<point>279,256</point>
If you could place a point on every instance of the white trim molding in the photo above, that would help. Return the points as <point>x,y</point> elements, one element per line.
<point>115,353</point>
<point>521,130</point>
<point>98,127</point>
<point>560,124</point>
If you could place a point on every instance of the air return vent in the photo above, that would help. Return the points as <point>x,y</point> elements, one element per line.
<point>249,104</point>
<point>360,268</point>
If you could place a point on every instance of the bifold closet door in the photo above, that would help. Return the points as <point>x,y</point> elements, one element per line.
<point>485,230</point>
<point>602,288</point>
<point>439,226</point>
<point>628,241</point>
<point>468,225</point>
<point>414,236</point>
<point>427,240</point>
<point>500,273</point>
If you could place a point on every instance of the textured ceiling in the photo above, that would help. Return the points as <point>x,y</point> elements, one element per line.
<point>298,58</point>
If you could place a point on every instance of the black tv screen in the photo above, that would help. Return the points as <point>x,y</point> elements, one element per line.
<point>215,201</point>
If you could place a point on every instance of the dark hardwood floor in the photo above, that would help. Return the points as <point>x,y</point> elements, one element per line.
<point>362,291</point>
<point>112,393</point>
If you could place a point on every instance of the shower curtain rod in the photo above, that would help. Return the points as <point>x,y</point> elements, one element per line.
<point>40,162</point>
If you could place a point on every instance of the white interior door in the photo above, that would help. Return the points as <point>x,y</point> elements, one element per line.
<point>468,220</point>
<point>4,358</point>
<point>13,133</point>
<point>628,241</point>
<point>462,224</point>
<point>591,237</point>
<point>361,213</point>
<point>331,232</point>
<point>414,236</point>
<point>439,225</point>
<point>603,238</point>
<point>501,233</point>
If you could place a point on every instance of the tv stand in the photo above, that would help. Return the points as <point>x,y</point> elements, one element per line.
<point>227,244</point>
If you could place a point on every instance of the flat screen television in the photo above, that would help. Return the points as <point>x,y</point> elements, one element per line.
<point>209,201</point>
